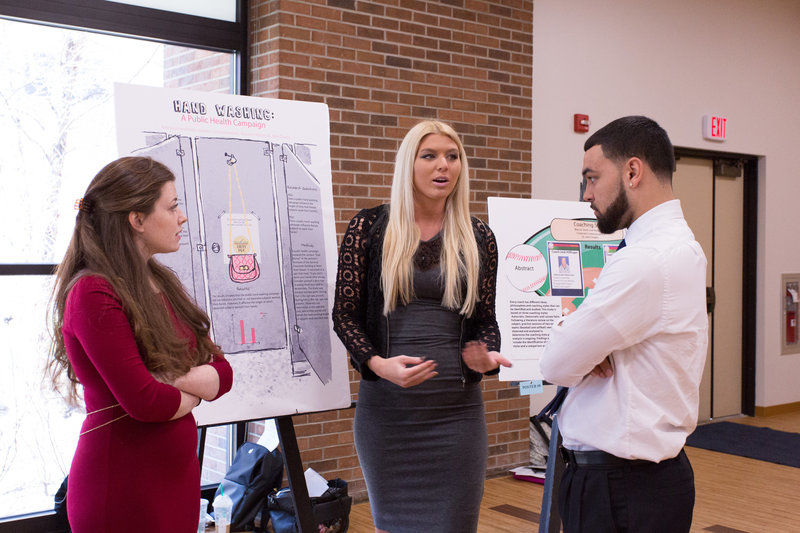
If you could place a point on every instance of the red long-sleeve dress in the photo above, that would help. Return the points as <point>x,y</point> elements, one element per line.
<point>134,469</point>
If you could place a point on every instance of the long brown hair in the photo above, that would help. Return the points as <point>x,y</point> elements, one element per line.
<point>102,244</point>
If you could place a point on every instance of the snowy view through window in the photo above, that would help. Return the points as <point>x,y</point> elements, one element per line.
<point>57,124</point>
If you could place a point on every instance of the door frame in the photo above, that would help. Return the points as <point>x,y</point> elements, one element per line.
<point>749,263</point>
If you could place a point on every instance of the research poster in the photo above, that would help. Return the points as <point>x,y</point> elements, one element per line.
<point>550,254</point>
<point>258,251</point>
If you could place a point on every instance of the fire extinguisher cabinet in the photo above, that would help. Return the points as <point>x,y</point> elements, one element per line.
<point>790,288</point>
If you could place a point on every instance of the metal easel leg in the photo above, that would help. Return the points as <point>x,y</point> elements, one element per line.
<point>296,476</point>
<point>549,518</point>
<point>201,445</point>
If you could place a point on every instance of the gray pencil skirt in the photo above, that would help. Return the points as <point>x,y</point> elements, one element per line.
<point>423,453</point>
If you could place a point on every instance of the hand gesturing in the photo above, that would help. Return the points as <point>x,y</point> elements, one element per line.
<point>403,370</point>
<point>479,359</point>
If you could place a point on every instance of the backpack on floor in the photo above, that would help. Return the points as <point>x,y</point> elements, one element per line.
<point>254,474</point>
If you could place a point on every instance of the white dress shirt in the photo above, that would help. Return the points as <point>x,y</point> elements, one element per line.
<point>648,311</point>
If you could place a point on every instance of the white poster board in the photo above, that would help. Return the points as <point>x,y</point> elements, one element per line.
<point>258,252</point>
<point>549,256</point>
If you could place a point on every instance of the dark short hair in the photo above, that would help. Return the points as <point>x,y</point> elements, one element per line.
<point>636,136</point>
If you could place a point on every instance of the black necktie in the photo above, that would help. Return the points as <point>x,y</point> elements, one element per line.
<point>621,245</point>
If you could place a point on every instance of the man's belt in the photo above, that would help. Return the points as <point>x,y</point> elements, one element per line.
<point>599,458</point>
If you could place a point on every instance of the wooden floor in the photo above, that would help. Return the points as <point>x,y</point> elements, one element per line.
<point>734,494</point>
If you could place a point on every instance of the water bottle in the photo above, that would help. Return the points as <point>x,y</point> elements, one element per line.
<point>223,506</point>
<point>201,524</point>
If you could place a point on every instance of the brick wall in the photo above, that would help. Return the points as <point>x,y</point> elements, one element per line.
<point>381,67</point>
<point>199,70</point>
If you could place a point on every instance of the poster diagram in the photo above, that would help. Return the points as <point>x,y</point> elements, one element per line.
<point>241,238</point>
<point>258,251</point>
<point>245,224</point>
<point>550,255</point>
<point>306,273</point>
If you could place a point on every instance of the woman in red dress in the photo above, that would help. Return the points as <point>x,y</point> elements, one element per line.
<point>124,329</point>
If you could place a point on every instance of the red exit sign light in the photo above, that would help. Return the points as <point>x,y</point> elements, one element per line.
<point>715,128</point>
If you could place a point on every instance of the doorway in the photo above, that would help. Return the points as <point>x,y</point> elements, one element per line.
<point>717,193</point>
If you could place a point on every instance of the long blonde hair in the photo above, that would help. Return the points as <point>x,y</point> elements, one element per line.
<point>102,244</point>
<point>459,257</point>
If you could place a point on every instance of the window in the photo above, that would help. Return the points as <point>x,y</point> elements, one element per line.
<point>57,124</point>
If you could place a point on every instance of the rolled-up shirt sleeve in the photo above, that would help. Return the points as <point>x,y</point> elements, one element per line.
<point>622,309</point>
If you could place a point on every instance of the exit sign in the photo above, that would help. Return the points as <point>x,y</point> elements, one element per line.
<point>714,127</point>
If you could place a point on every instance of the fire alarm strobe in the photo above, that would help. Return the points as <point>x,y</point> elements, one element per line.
<point>581,123</point>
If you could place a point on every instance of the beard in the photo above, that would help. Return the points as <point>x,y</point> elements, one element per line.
<point>617,215</point>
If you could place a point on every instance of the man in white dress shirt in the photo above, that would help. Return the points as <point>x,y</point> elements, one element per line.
<point>633,353</point>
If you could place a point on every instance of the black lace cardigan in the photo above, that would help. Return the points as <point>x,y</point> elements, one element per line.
<point>358,305</point>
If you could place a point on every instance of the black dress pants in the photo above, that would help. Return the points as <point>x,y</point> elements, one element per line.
<point>628,498</point>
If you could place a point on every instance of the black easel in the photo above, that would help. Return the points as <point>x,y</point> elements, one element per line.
<point>549,518</point>
<point>296,476</point>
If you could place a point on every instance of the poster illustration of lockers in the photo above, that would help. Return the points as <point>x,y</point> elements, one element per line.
<point>252,252</point>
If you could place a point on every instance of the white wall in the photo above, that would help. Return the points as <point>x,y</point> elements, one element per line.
<point>676,60</point>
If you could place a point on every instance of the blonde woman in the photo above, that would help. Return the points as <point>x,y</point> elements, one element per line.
<point>414,307</point>
<point>124,329</point>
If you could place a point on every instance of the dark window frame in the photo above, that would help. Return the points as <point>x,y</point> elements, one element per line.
<point>136,22</point>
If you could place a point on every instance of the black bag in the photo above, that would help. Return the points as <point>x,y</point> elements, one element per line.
<point>540,429</point>
<point>254,473</point>
<point>60,505</point>
<point>539,434</point>
<point>331,509</point>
